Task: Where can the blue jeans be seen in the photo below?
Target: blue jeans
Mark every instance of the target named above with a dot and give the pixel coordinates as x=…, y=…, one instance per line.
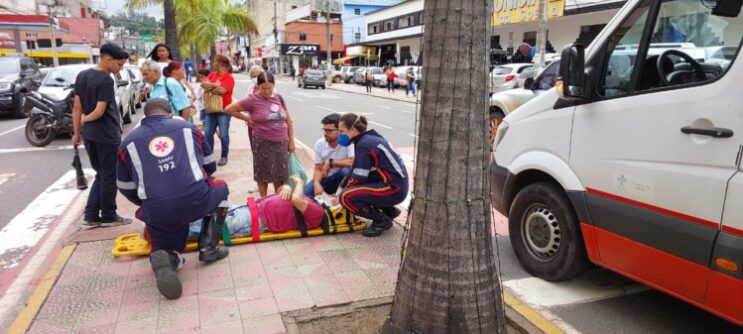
x=410, y=88
x=202, y=115
x=223, y=121
x=330, y=183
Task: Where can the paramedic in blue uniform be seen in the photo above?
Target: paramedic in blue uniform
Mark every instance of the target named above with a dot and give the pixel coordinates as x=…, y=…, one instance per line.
x=378, y=179
x=164, y=166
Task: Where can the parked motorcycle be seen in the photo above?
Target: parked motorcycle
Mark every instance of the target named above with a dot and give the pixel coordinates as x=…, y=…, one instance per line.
x=49, y=118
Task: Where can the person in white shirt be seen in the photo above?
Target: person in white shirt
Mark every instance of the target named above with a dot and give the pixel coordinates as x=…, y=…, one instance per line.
x=202, y=74
x=332, y=161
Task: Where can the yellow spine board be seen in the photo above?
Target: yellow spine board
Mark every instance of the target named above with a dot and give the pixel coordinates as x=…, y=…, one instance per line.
x=135, y=245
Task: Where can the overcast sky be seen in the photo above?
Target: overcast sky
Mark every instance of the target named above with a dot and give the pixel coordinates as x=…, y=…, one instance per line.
x=113, y=6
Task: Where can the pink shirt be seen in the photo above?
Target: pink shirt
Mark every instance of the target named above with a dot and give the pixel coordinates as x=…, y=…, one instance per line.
x=278, y=214
x=269, y=115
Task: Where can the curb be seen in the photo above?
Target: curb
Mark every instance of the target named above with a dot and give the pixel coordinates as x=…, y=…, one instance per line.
x=393, y=98
x=25, y=318
x=526, y=318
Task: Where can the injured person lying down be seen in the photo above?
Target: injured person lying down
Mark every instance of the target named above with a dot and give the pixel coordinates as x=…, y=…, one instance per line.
x=276, y=213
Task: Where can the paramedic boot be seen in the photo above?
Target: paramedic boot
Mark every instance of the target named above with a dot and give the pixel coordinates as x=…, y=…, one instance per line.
x=392, y=212
x=165, y=264
x=211, y=230
x=380, y=222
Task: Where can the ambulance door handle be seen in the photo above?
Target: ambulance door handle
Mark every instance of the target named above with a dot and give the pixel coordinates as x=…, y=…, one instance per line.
x=713, y=132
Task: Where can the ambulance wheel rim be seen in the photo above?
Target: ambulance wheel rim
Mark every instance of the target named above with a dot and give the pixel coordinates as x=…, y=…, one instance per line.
x=541, y=231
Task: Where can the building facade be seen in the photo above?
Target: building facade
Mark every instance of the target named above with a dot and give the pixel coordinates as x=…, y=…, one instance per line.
x=354, y=21
x=396, y=33
x=268, y=15
x=568, y=22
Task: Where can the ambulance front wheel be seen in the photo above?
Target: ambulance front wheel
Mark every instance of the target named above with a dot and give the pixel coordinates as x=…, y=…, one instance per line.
x=545, y=233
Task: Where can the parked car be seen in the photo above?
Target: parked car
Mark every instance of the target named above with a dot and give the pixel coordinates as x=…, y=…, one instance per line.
x=633, y=162
x=60, y=79
x=359, y=75
x=136, y=74
x=402, y=71
x=125, y=88
x=18, y=75
x=503, y=77
x=348, y=74
x=380, y=79
x=337, y=74
x=314, y=78
x=504, y=103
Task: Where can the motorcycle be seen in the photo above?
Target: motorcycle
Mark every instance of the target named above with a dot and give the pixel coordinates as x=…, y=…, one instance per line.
x=49, y=118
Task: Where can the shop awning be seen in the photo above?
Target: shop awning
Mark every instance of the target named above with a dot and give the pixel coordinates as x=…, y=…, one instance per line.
x=46, y=54
x=341, y=61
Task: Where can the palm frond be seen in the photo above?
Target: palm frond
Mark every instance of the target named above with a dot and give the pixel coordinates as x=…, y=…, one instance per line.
x=139, y=4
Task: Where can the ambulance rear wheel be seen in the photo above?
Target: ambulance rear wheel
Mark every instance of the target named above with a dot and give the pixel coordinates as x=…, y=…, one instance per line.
x=545, y=233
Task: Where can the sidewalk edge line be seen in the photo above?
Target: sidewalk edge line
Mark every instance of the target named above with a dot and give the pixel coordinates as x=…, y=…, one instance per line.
x=531, y=314
x=24, y=319
x=360, y=93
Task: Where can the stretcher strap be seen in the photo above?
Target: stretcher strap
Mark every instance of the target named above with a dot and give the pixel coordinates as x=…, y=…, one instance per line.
x=226, y=235
x=326, y=219
x=348, y=221
x=256, y=231
x=301, y=225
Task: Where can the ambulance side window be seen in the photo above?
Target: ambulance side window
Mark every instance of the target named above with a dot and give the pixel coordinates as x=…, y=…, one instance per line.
x=622, y=49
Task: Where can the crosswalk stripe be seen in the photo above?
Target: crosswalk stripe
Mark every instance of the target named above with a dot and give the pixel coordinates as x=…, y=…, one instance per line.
x=5, y=177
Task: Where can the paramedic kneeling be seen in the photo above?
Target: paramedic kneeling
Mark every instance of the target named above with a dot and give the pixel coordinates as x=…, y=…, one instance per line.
x=378, y=179
x=164, y=167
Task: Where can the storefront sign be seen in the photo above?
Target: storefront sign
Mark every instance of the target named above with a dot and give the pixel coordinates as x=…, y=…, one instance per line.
x=361, y=51
x=520, y=11
x=300, y=49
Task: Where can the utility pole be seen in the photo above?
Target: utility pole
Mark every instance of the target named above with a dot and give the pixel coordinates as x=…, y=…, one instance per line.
x=541, y=33
x=55, y=58
x=330, y=43
x=276, y=27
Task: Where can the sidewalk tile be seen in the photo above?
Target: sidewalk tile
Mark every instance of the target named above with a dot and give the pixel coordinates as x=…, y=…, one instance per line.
x=45, y=326
x=186, y=304
x=217, y=298
x=99, y=312
x=314, y=269
x=306, y=256
x=139, y=326
x=232, y=327
x=326, y=243
x=214, y=282
x=249, y=275
x=100, y=329
x=357, y=285
x=219, y=314
x=326, y=290
x=282, y=273
x=266, y=324
x=291, y=295
x=257, y=307
x=142, y=295
x=61, y=301
x=139, y=311
x=177, y=321
x=276, y=257
x=255, y=291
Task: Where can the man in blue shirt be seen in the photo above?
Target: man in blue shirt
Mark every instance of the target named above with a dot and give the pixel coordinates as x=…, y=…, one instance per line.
x=189, y=68
x=168, y=89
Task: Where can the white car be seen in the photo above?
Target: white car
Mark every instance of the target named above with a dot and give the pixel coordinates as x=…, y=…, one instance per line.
x=60, y=79
x=503, y=77
x=504, y=103
x=633, y=161
x=136, y=75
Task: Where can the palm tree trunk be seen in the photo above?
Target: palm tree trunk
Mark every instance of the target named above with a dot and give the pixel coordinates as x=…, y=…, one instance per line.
x=171, y=30
x=448, y=282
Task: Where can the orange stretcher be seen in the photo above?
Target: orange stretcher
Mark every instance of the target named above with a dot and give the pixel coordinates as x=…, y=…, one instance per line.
x=336, y=220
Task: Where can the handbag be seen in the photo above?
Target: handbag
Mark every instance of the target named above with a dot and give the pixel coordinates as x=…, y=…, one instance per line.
x=212, y=103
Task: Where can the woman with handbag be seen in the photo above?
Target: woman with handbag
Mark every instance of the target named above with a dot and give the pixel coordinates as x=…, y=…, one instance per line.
x=217, y=96
x=176, y=71
x=272, y=136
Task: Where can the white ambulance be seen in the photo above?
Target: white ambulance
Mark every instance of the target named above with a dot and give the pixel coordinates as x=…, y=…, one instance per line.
x=633, y=161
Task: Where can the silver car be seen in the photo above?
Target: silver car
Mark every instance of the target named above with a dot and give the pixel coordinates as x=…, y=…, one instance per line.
x=360, y=76
x=504, y=103
x=503, y=77
x=136, y=74
x=314, y=78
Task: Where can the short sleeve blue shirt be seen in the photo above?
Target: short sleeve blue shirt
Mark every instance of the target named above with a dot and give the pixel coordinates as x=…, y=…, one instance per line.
x=177, y=97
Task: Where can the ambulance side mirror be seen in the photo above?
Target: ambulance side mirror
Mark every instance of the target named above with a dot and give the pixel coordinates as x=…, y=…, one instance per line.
x=571, y=84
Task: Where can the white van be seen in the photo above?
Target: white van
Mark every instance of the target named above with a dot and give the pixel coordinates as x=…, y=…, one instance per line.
x=633, y=160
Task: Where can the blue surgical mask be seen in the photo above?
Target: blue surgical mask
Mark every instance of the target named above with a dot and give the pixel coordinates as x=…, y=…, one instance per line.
x=344, y=140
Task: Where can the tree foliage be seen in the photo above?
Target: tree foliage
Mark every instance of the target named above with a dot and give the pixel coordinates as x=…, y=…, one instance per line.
x=134, y=22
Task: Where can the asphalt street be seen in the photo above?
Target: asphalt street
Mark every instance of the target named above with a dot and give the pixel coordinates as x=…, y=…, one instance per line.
x=597, y=302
